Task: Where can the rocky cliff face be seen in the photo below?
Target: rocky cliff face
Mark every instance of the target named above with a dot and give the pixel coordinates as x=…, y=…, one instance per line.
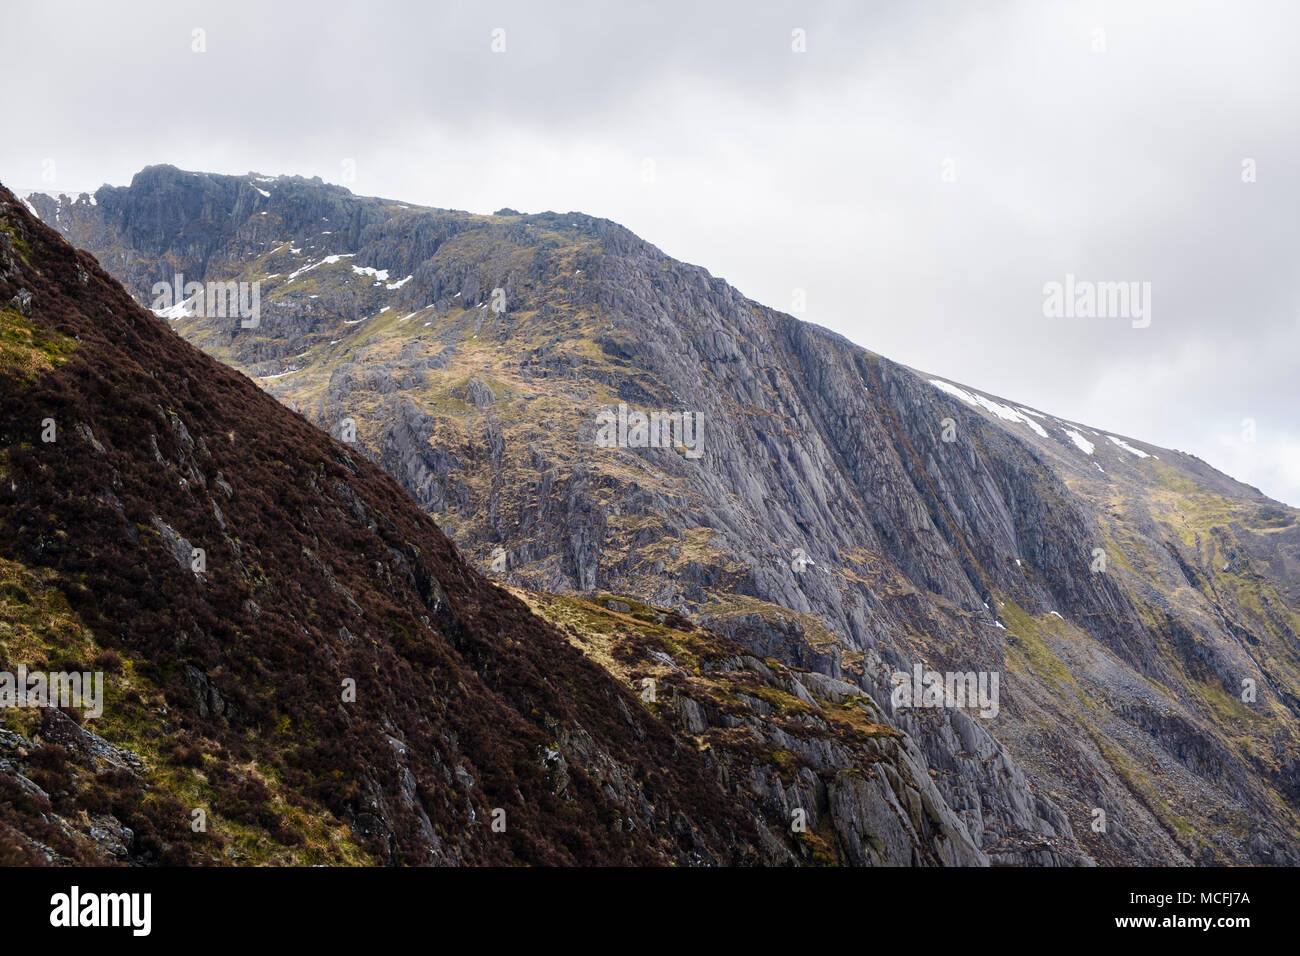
x=299, y=667
x=848, y=516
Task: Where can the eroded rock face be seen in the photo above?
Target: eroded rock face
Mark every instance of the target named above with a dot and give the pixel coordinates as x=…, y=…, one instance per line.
x=847, y=515
x=337, y=685
x=812, y=759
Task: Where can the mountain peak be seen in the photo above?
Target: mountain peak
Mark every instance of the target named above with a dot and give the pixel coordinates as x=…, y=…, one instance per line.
x=831, y=510
x=296, y=665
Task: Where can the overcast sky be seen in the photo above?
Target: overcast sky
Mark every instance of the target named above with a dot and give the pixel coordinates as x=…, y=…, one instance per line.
x=920, y=170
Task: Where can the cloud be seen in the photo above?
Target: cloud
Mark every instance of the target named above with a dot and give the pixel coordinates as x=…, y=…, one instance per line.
x=919, y=172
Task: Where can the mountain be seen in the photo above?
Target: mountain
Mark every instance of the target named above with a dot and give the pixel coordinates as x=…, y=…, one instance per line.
x=846, y=516
x=300, y=668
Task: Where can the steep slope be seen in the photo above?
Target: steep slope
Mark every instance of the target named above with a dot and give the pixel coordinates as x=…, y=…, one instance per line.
x=785, y=740
x=327, y=681
x=847, y=515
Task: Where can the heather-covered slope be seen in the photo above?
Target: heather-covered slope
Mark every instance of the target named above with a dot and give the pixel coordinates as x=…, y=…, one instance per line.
x=227, y=678
x=1123, y=592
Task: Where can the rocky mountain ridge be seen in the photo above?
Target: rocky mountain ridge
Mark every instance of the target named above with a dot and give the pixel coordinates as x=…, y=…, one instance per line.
x=300, y=668
x=849, y=515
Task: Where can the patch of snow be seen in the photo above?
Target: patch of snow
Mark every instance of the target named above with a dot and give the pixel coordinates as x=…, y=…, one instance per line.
x=399, y=283
x=1083, y=444
x=367, y=318
x=296, y=251
x=1054, y=614
x=1100, y=469
x=1005, y=412
x=456, y=296
x=327, y=261
x=1128, y=448
x=265, y=194
x=1030, y=411
x=32, y=210
x=380, y=274
x=181, y=310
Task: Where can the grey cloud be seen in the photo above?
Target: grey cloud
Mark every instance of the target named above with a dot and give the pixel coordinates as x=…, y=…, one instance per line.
x=776, y=170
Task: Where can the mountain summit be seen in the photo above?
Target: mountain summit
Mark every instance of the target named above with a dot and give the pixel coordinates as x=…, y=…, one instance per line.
x=845, y=516
x=298, y=667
